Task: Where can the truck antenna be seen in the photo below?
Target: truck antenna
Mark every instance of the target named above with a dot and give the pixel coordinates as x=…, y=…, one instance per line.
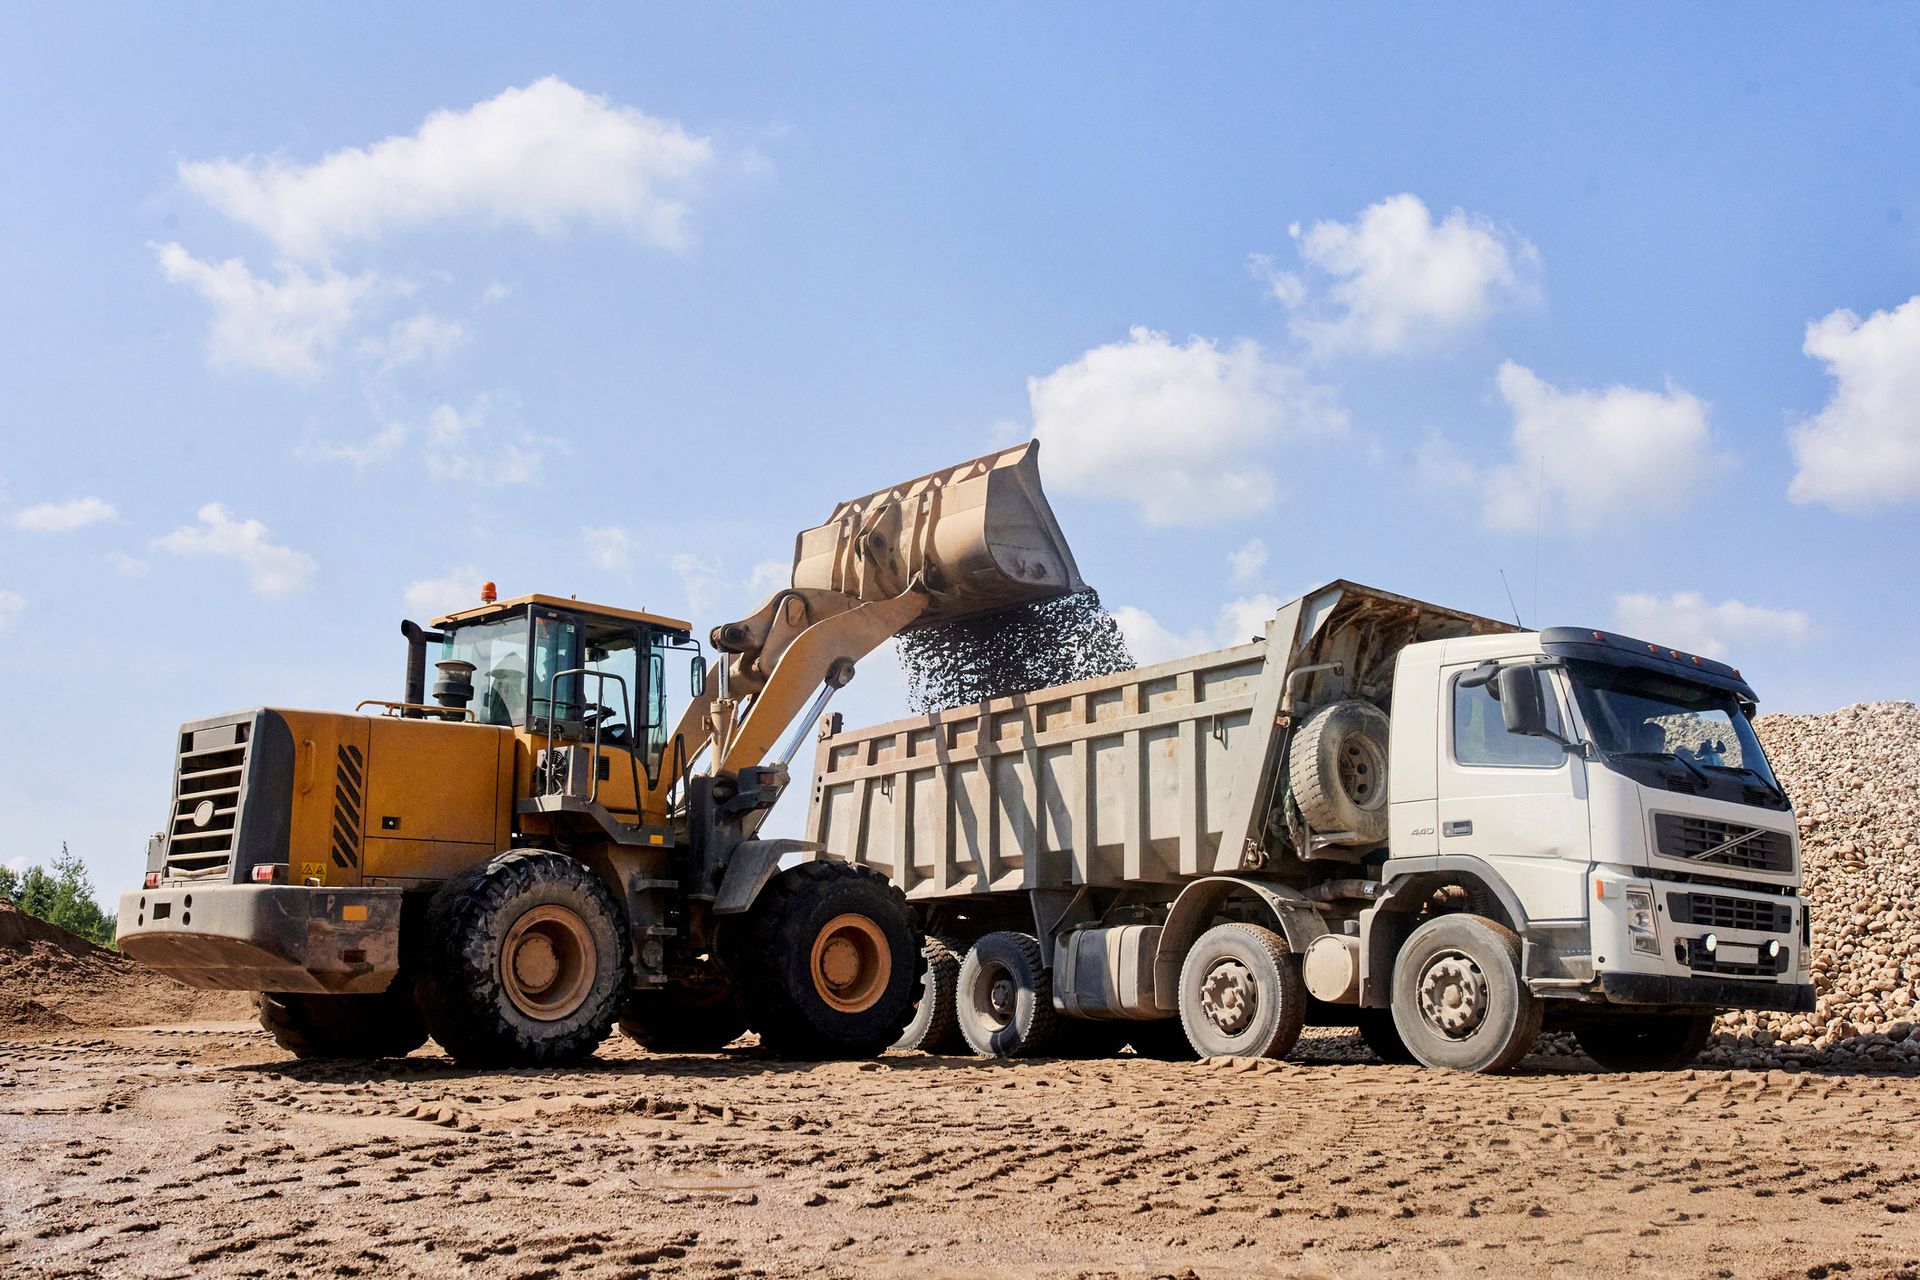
x=1510, y=603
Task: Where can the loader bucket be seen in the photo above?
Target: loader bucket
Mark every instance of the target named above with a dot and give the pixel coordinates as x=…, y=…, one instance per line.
x=980, y=536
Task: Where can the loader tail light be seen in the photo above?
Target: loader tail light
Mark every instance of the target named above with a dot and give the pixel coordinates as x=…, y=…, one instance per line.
x=152, y=881
x=269, y=872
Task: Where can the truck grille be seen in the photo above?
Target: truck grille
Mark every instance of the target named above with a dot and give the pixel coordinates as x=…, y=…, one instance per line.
x=1701, y=960
x=1717, y=912
x=1706, y=842
x=208, y=782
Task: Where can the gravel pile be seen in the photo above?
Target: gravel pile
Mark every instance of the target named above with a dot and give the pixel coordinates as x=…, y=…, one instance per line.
x=1854, y=776
x=995, y=655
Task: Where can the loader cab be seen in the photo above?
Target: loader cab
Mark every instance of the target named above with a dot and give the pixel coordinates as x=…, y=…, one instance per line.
x=574, y=671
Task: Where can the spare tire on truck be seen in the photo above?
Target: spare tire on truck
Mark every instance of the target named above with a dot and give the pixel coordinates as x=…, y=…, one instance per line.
x=1337, y=766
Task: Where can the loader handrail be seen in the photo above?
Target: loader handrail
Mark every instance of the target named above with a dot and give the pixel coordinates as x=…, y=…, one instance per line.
x=626, y=707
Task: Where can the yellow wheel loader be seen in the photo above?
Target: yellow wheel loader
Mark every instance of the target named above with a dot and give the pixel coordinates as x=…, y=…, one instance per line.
x=535, y=848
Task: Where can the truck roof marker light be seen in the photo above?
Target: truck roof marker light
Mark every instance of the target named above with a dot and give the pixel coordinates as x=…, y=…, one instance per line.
x=487, y=593
x=1653, y=648
x=1599, y=636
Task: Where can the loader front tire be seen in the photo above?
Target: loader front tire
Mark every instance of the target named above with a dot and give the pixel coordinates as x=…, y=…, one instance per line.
x=525, y=962
x=315, y=1026
x=828, y=962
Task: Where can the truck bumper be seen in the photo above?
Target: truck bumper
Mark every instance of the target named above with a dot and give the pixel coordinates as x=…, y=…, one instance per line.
x=266, y=937
x=1705, y=993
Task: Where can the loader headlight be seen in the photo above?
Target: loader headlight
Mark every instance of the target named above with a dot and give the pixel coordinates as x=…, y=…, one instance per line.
x=1642, y=929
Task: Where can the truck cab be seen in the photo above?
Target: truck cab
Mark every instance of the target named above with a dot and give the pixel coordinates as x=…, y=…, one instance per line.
x=1613, y=795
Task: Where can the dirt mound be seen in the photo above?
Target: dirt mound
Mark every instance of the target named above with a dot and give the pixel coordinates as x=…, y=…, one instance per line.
x=53, y=980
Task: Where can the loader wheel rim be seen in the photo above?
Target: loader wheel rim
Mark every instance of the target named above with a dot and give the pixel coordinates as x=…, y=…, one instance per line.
x=547, y=963
x=851, y=963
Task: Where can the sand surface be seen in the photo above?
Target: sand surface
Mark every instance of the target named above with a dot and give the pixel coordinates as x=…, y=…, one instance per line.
x=201, y=1149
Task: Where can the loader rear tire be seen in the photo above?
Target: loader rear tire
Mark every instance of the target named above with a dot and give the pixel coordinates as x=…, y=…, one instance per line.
x=1337, y=768
x=683, y=1019
x=935, y=1027
x=828, y=962
x=525, y=962
x=314, y=1026
x=1006, y=997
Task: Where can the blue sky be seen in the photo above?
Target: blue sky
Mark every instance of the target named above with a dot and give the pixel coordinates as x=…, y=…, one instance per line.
x=1338, y=292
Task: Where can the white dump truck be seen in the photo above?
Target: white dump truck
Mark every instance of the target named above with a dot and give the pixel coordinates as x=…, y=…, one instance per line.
x=1439, y=828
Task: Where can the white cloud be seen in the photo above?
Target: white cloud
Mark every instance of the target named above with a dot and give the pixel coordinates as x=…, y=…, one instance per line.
x=701, y=580
x=768, y=576
x=609, y=547
x=272, y=570
x=542, y=157
x=127, y=566
x=1179, y=430
x=1238, y=621
x=1686, y=620
x=463, y=445
x=12, y=605
x=1863, y=449
x=452, y=591
x=359, y=454
x=64, y=517
x=1580, y=457
x=1401, y=280
x=414, y=339
x=1247, y=560
x=495, y=293
x=289, y=328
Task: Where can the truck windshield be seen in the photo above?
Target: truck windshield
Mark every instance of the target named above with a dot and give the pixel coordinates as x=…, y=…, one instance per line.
x=1637, y=715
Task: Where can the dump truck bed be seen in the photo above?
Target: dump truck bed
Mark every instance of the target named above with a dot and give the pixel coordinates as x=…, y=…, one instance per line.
x=1154, y=775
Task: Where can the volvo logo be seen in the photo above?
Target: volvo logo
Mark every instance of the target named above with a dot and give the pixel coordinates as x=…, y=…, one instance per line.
x=203, y=813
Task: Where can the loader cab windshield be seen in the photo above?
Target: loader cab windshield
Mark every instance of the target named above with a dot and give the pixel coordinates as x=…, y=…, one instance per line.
x=582, y=672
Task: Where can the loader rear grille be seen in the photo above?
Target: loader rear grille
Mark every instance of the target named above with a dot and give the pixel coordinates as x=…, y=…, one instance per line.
x=209, y=782
x=348, y=789
x=1722, y=844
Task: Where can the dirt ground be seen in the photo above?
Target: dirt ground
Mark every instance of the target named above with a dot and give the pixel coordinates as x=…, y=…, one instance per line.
x=201, y=1149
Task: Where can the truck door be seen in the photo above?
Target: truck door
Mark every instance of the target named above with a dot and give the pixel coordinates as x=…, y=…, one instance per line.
x=1517, y=803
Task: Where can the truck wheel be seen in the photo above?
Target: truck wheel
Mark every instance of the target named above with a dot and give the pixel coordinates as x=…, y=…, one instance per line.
x=1458, y=998
x=683, y=1019
x=1241, y=993
x=312, y=1026
x=1382, y=1037
x=935, y=1026
x=525, y=961
x=1656, y=1043
x=1337, y=767
x=829, y=962
x=1006, y=997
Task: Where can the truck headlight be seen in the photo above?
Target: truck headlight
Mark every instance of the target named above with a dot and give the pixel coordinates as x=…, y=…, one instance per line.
x=1642, y=929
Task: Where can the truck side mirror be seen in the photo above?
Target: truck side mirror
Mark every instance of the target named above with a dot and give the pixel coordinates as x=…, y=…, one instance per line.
x=1523, y=702
x=698, y=672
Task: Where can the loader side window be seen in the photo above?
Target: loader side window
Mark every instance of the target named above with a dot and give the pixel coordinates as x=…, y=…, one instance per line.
x=498, y=652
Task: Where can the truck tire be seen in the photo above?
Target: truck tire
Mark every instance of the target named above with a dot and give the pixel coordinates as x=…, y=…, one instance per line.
x=828, y=963
x=1241, y=993
x=1655, y=1043
x=525, y=961
x=1382, y=1037
x=1005, y=999
x=1458, y=998
x=1337, y=770
x=313, y=1026
x=683, y=1019
x=935, y=1025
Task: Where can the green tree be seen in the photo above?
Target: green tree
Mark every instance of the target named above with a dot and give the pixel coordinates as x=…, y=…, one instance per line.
x=62, y=896
x=9, y=885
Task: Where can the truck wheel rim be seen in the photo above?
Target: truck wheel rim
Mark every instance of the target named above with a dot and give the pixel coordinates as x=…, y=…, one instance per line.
x=1363, y=771
x=1229, y=996
x=851, y=963
x=547, y=963
x=1453, y=995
